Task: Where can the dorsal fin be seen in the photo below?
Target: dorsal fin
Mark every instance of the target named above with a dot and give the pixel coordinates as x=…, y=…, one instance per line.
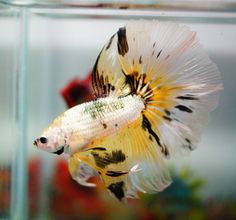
x=107, y=76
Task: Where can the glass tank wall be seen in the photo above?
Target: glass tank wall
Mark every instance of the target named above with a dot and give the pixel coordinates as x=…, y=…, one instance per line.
x=43, y=46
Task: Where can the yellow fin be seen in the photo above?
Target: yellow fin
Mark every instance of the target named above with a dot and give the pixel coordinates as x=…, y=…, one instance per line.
x=137, y=148
x=80, y=170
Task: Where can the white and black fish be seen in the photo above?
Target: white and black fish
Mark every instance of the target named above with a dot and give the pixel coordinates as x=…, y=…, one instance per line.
x=154, y=88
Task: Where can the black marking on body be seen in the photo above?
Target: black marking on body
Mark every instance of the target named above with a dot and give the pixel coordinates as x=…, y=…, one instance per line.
x=122, y=43
x=104, y=125
x=110, y=41
x=60, y=151
x=187, y=98
x=117, y=189
x=115, y=173
x=154, y=44
x=183, y=108
x=159, y=54
x=146, y=125
x=108, y=158
x=116, y=125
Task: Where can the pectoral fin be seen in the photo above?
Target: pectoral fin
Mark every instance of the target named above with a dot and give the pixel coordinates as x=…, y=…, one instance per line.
x=80, y=171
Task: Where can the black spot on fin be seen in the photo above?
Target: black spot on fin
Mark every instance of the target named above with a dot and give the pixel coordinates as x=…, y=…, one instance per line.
x=189, y=144
x=167, y=118
x=140, y=60
x=96, y=78
x=104, y=159
x=187, y=98
x=188, y=140
x=158, y=54
x=100, y=83
x=122, y=43
x=184, y=108
x=117, y=189
x=146, y=125
x=116, y=173
x=98, y=148
x=110, y=41
x=130, y=79
x=167, y=112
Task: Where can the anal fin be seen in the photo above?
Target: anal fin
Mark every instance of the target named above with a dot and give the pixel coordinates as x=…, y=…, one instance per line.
x=140, y=153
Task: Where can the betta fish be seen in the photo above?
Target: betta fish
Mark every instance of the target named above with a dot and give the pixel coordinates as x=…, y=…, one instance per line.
x=154, y=88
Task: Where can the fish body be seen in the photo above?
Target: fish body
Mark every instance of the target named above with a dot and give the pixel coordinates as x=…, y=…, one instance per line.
x=154, y=88
x=103, y=116
x=90, y=121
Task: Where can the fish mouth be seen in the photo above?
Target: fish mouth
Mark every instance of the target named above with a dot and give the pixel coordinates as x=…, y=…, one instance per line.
x=59, y=152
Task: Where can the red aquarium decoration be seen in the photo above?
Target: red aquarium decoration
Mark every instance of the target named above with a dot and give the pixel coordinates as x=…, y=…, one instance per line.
x=34, y=173
x=71, y=200
x=5, y=187
x=78, y=91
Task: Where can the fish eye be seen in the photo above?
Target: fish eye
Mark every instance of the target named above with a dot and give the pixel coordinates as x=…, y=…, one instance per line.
x=43, y=140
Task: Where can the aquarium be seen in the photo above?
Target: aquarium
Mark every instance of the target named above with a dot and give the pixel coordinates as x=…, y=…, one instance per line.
x=46, y=44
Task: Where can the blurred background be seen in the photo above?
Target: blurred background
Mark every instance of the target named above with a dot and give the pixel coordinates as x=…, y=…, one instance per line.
x=47, y=51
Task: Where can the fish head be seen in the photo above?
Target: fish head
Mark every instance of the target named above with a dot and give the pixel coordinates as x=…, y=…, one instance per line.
x=52, y=140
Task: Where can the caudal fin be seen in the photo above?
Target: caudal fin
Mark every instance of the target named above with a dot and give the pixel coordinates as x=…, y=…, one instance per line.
x=165, y=64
